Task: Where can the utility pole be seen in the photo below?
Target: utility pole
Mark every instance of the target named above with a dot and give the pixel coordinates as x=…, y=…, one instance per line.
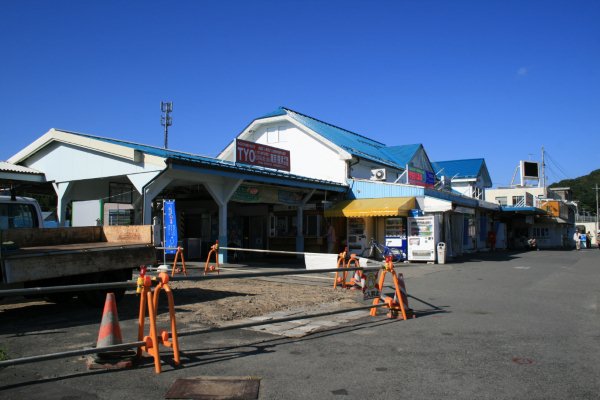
x=543, y=180
x=596, y=189
x=165, y=119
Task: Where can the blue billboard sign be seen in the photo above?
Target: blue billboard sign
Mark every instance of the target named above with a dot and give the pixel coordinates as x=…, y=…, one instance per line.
x=170, y=225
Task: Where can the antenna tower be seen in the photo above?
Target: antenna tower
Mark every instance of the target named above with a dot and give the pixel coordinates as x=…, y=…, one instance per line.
x=165, y=120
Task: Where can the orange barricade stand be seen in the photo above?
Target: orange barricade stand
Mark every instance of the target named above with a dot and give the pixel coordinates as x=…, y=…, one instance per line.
x=214, y=249
x=178, y=255
x=149, y=303
x=355, y=281
x=400, y=300
x=340, y=277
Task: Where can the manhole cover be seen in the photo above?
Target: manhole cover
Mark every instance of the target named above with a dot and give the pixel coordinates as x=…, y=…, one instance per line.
x=215, y=388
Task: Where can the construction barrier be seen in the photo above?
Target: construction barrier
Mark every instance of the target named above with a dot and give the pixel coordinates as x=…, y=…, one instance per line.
x=400, y=300
x=214, y=250
x=150, y=342
x=341, y=276
x=149, y=303
x=179, y=255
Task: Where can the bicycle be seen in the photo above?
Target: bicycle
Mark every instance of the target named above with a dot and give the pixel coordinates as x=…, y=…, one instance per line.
x=378, y=252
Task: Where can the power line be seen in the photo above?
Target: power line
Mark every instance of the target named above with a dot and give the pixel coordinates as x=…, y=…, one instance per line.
x=565, y=175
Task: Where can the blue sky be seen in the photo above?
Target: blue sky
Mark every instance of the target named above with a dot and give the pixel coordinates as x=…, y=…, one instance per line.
x=468, y=79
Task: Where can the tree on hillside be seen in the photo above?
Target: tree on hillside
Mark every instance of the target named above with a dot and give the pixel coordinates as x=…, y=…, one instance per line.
x=583, y=190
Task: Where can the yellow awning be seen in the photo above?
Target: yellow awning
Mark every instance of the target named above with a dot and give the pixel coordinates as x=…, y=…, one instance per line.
x=385, y=207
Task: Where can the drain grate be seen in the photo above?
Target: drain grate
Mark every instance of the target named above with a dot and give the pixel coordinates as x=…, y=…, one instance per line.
x=215, y=388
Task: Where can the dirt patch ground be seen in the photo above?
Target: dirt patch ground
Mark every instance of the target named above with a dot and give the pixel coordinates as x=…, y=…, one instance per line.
x=220, y=301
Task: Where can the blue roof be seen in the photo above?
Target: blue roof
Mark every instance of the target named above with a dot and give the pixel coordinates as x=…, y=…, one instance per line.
x=189, y=158
x=280, y=111
x=460, y=168
x=403, y=154
x=354, y=143
x=464, y=169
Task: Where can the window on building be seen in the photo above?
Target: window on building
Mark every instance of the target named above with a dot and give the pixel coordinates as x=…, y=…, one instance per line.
x=501, y=200
x=120, y=193
x=120, y=217
x=286, y=226
x=284, y=133
x=518, y=201
x=477, y=193
x=312, y=225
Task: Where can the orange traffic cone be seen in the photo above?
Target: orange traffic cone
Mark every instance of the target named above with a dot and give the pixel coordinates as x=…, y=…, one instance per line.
x=109, y=335
x=110, y=330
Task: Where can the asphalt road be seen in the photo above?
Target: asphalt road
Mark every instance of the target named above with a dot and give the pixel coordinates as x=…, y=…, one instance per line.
x=504, y=326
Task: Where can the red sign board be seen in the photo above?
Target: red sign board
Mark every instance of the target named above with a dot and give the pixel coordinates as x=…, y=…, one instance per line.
x=417, y=176
x=262, y=155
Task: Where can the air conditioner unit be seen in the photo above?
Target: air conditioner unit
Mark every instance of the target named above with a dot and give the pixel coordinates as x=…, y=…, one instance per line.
x=378, y=174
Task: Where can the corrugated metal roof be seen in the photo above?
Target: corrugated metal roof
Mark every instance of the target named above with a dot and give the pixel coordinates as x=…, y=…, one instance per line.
x=459, y=168
x=279, y=112
x=402, y=155
x=9, y=167
x=354, y=143
x=361, y=189
x=189, y=158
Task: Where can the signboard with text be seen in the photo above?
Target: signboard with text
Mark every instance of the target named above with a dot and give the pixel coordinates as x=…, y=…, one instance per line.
x=420, y=177
x=370, y=287
x=262, y=155
x=170, y=226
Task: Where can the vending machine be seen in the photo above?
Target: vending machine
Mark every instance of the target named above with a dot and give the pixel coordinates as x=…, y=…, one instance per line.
x=395, y=234
x=357, y=241
x=423, y=236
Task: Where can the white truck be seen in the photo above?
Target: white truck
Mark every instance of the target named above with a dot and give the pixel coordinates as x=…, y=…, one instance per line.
x=34, y=256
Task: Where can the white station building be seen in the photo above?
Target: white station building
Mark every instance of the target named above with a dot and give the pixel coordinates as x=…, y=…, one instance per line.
x=275, y=186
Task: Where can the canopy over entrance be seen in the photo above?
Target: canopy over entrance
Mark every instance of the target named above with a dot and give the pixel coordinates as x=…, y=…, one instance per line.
x=384, y=207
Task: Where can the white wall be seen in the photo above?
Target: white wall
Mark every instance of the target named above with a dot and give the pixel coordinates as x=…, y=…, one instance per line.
x=362, y=170
x=308, y=156
x=62, y=162
x=462, y=187
x=491, y=194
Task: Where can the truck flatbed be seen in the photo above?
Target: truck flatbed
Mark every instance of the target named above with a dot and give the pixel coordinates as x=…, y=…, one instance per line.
x=33, y=255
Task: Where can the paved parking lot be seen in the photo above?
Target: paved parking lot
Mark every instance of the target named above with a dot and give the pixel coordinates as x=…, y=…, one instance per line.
x=499, y=326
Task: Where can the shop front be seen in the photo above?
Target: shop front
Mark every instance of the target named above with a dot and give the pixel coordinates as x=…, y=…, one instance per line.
x=382, y=220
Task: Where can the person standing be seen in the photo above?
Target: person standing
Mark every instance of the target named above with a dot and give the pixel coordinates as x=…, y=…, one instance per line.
x=330, y=238
x=576, y=239
x=588, y=240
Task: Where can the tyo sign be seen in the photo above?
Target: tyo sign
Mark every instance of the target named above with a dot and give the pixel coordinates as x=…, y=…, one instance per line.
x=262, y=155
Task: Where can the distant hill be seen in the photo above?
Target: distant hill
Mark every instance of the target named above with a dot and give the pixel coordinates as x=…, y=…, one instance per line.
x=583, y=190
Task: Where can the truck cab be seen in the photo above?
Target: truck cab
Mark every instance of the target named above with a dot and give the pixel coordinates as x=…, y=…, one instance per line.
x=20, y=212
